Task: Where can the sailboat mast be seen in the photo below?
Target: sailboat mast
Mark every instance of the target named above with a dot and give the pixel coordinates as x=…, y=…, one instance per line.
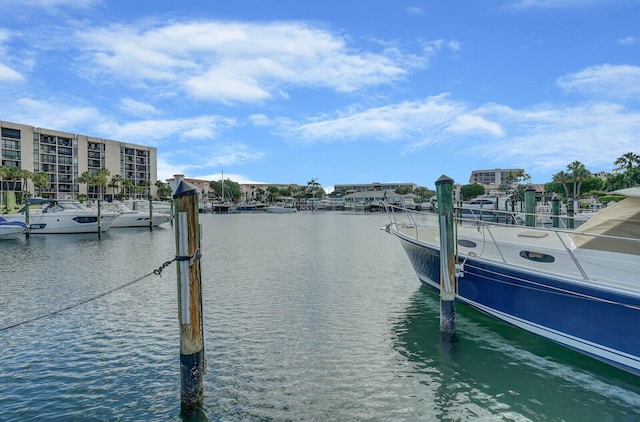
x=222, y=173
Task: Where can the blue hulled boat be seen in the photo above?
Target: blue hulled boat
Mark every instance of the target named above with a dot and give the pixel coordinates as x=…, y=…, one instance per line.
x=580, y=288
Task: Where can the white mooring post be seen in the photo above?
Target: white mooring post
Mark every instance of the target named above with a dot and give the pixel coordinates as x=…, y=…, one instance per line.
x=190, y=315
x=444, y=191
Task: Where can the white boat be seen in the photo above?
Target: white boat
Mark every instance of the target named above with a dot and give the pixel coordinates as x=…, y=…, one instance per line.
x=11, y=229
x=52, y=216
x=279, y=209
x=579, y=288
x=132, y=218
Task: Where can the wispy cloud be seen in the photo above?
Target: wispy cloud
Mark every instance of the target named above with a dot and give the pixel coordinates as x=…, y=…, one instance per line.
x=628, y=40
x=415, y=11
x=619, y=82
x=233, y=62
x=537, y=137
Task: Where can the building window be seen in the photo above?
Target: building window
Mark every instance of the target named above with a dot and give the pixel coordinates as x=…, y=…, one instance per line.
x=10, y=133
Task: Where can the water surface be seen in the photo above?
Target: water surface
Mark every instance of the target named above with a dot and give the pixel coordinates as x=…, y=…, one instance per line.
x=308, y=316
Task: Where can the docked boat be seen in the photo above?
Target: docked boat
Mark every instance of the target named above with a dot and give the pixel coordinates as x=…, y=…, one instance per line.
x=280, y=209
x=579, y=288
x=134, y=218
x=11, y=229
x=52, y=216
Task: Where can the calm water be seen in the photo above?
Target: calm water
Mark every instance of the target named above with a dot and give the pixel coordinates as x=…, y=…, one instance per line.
x=310, y=316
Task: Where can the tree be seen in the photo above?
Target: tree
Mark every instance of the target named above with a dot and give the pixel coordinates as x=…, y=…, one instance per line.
x=273, y=192
x=116, y=184
x=40, y=182
x=163, y=190
x=562, y=178
x=628, y=161
x=471, y=191
x=232, y=190
x=403, y=190
x=424, y=193
x=101, y=180
x=578, y=174
x=313, y=187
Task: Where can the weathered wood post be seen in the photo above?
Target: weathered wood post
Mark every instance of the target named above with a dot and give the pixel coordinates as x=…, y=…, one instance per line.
x=151, y=214
x=530, y=206
x=570, y=213
x=99, y=219
x=27, y=218
x=190, y=316
x=555, y=211
x=444, y=192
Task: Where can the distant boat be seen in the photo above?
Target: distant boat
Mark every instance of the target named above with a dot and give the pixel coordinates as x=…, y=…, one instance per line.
x=11, y=229
x=133, y=218
x=279, y=209
x=52, y=216
x=579, y=288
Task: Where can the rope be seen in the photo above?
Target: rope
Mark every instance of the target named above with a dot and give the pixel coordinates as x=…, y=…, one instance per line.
x=157, y=271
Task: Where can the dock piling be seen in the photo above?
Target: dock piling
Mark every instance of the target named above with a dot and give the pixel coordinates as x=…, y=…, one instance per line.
x=190, y=315
x=444, y=191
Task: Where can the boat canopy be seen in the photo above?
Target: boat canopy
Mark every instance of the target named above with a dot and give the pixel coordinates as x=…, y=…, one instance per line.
x=609, y=225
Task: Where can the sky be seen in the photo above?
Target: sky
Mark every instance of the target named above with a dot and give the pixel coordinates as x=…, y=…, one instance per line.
x=343, y=92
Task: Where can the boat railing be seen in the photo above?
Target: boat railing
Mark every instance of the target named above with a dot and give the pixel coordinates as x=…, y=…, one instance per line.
x=416, y=220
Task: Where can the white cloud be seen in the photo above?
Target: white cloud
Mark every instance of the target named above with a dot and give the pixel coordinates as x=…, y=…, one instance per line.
x=137, y=108
x=471, y=124
x=9, y=75
x=604, y=81
x=236, y=62
x=628, y=40
x=415, y=11
x=393, y=122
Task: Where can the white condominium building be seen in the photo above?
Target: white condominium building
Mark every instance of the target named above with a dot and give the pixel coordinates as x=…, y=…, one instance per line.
x=65, y=156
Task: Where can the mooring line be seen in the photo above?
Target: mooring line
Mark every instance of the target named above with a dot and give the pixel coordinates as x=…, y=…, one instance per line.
x=157, y=271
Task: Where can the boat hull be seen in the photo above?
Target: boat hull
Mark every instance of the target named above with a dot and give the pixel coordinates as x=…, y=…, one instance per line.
x=11, y=231
x=591, y=320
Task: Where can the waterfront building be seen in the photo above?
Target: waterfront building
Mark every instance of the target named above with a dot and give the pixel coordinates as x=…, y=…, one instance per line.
x=496, y=179
x=376, y=186
x=64, y=156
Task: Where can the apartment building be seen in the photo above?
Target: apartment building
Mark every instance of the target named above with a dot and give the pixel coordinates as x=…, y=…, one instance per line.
x=496, y=179
x=64, y=156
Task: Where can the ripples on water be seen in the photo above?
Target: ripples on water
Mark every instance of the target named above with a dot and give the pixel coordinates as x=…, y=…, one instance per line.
x=311, y=316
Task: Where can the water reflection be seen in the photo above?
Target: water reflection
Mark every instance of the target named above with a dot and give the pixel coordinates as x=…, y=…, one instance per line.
x=498, y=368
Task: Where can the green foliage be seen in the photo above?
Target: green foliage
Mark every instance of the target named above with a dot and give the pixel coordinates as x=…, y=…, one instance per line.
x=403, y=190
x=232, y=190
x=424, y=193
x=471, y=191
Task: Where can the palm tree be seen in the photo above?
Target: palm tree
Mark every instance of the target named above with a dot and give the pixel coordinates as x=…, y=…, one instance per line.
x=562, y=177
x=87, y=178
x=578, y=173
x=628, y=161
x=101, y=179
x=115, y=183
x=313, y=186
x=40, y=182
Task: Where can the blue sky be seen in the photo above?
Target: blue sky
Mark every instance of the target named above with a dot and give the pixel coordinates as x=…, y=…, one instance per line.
x=340, y=91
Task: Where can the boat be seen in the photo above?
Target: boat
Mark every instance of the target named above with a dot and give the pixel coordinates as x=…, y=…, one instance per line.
x=11, y=229
x=52, y=216
x=133, y=218
x=579, y=287
x=280, y=209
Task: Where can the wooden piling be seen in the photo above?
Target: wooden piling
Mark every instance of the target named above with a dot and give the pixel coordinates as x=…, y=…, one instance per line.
x=150, y=214
x=27, y=219
x=99, y=219
x=530, y=206
x=190, y=316
x=570, y=213
x=444, y=191
x=555, y=211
